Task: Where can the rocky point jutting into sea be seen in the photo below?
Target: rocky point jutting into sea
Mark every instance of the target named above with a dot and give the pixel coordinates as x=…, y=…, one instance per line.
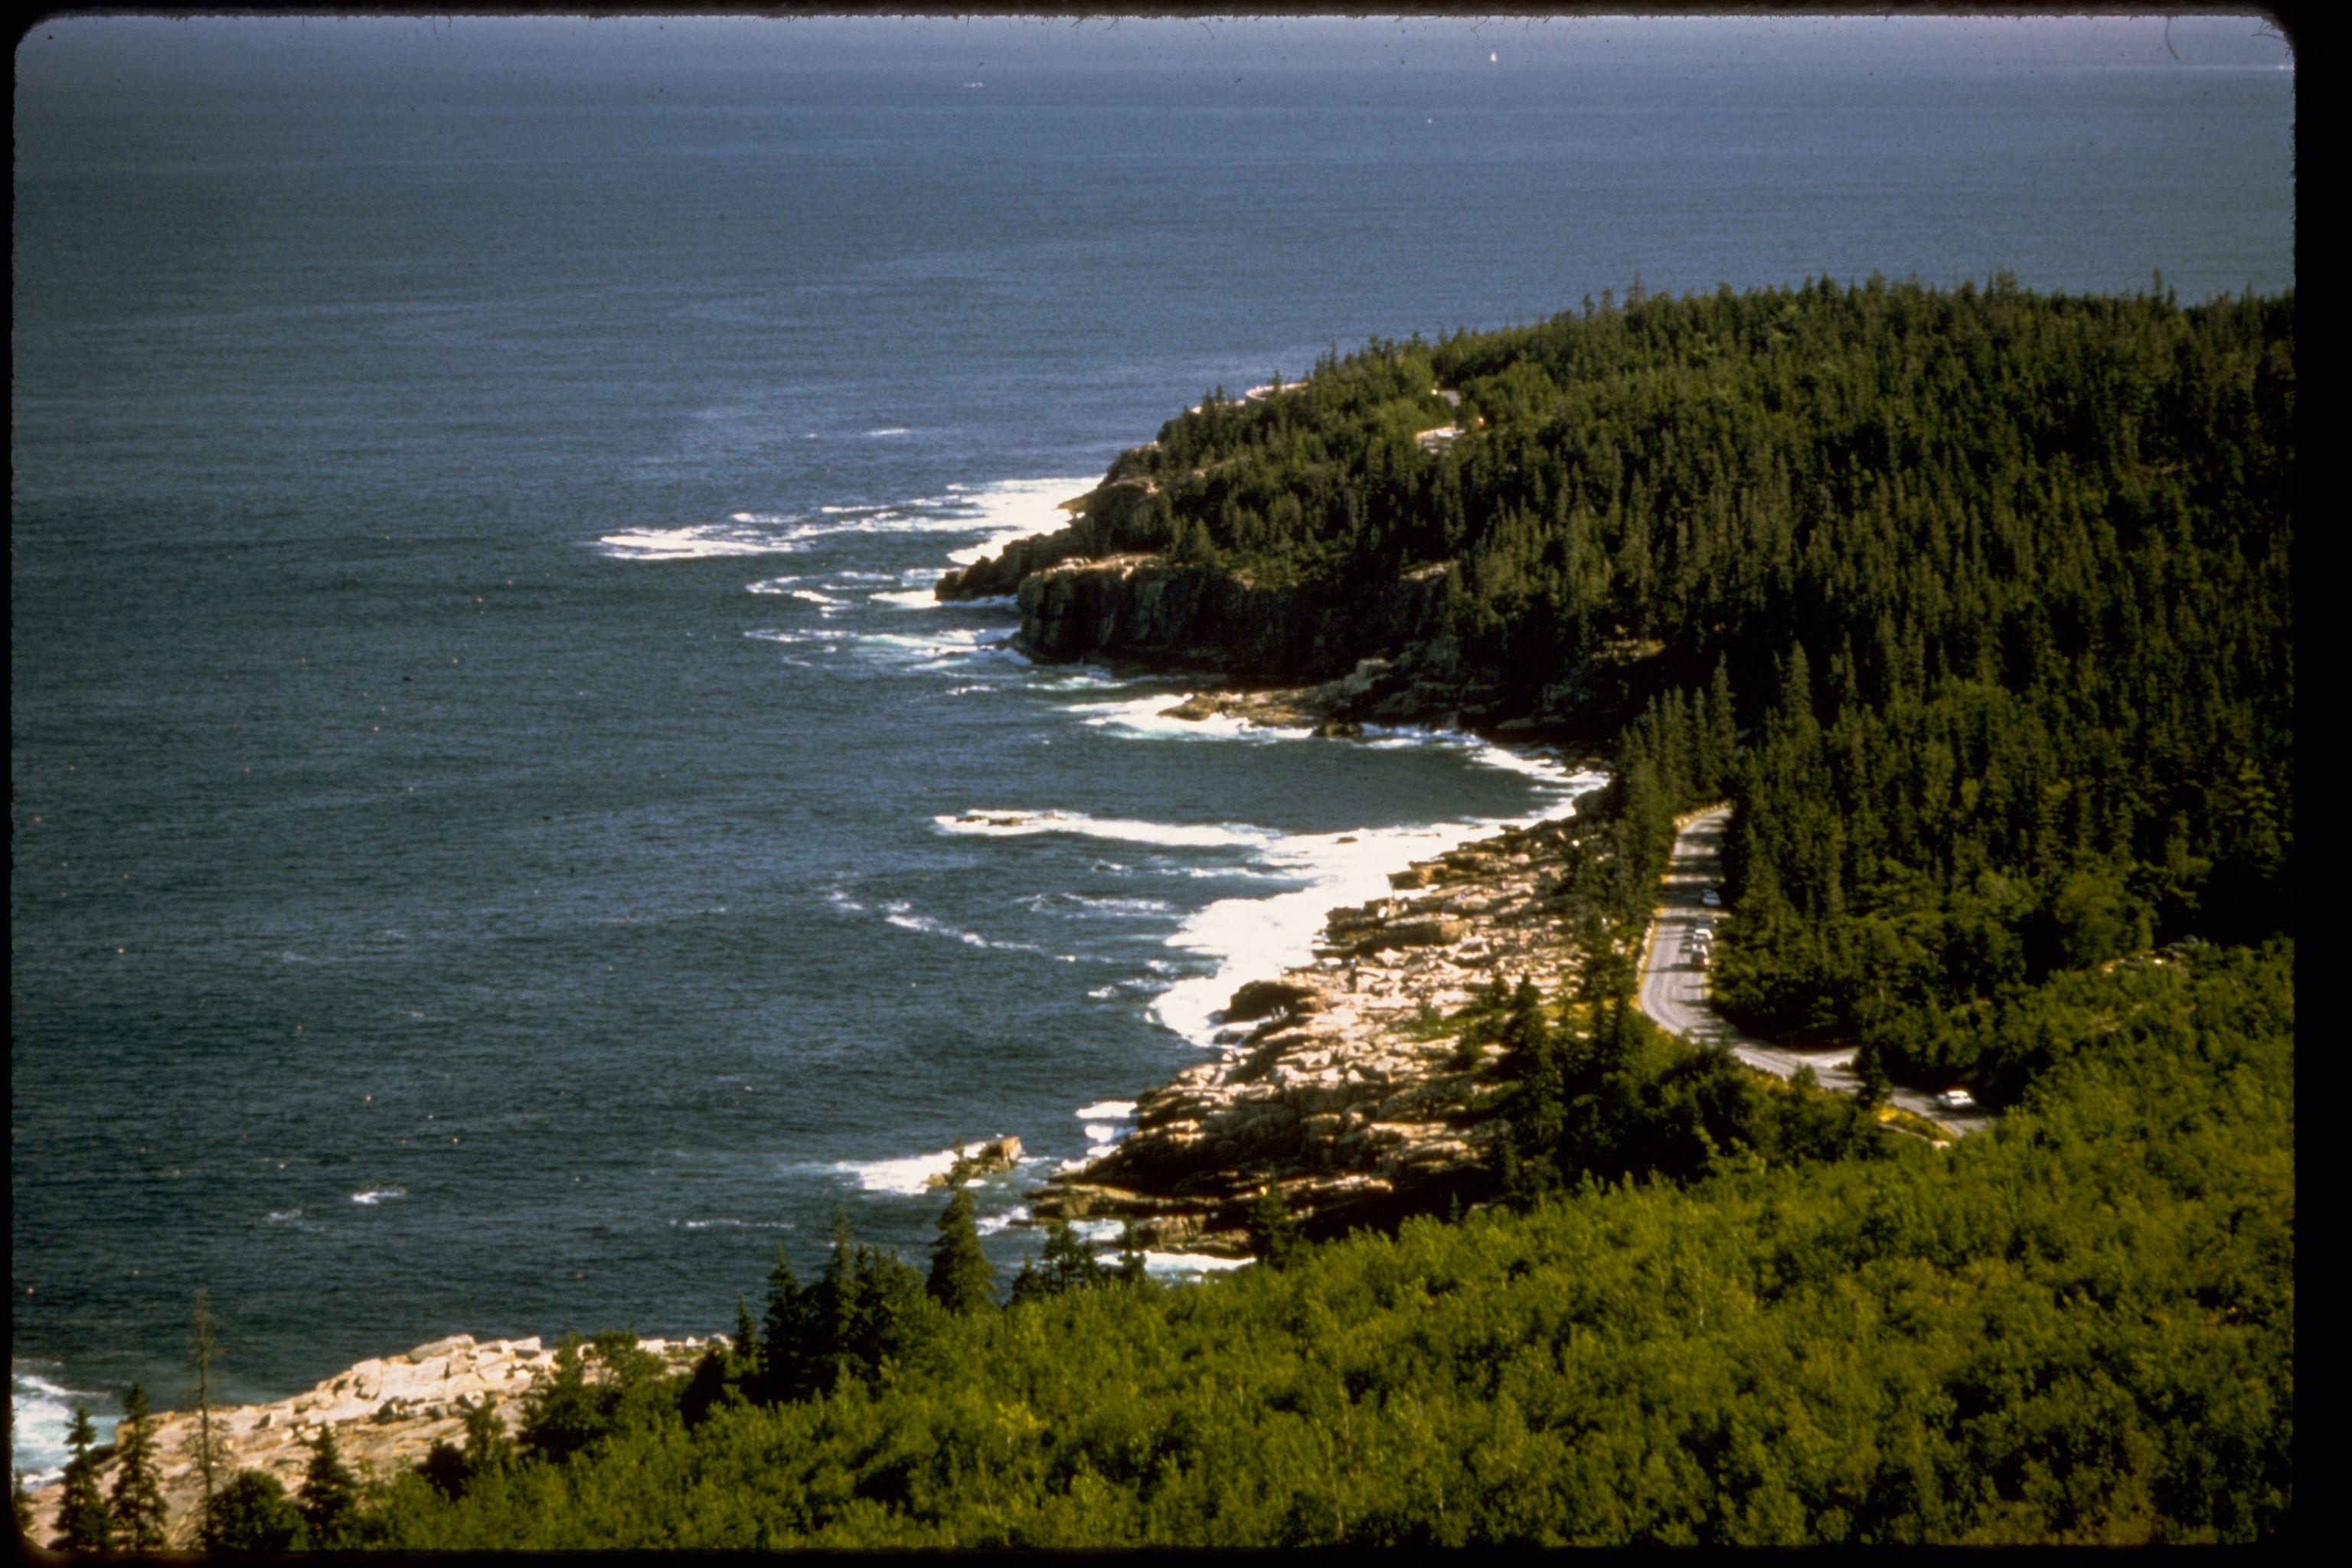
x=386, y=1413
x=1346, y=1084
x=1343, y=1083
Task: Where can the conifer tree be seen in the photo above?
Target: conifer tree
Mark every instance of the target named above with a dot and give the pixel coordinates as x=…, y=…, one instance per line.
x=1274, y=1236
x=1527, y=1037
x=715, y=1383
x=20, y=1503
x=202, y=1349
x=252, y=1513
x=488, y=1450
x=747, y=1334
x=136, y=1503
x=781, y=1338
x=83, y=1523
x=1131, y=1271
x=834, y=1321
x=443, y=1467
x=1873, y=1085
x=1069, y=1263
x=330, y=1506
x=961, y=1279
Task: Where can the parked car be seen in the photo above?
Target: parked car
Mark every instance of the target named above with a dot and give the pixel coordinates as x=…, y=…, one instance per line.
x=1711, y=898
x=1957, y=1099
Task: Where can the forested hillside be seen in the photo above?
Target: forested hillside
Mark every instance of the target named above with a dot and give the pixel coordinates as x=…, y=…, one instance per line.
x=1976, y=605
x=1976, y=602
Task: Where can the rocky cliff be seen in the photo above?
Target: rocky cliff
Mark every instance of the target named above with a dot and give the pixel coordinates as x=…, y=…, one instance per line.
x=1106, y=587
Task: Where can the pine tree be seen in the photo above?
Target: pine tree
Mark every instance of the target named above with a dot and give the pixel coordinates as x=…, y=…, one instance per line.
x=330, y=1506
x=1070, y=1262
x=488, y=1450
x=961, y=1280
x=202, y=1349
x=84, y=1525
x=1527, y=1037
x=252, y=1513
x=780, y=1351
x=444, y=1469
x=834, y=1321
x=136, y=1503
x=1873, y=1085
x=747, y=1334
x=1720, y=732
x=1131, y=1270
x=1274, y=1236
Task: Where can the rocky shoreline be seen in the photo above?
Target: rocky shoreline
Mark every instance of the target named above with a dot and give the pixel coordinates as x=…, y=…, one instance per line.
x=387, y=1413
x=1346, y=1083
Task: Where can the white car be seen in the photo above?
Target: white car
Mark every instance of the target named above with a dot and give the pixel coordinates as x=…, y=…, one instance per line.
x=1711, y=898
x=1957, y=1099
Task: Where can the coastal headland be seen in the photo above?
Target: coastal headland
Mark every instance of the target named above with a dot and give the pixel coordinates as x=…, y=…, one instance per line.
x=1111, y=586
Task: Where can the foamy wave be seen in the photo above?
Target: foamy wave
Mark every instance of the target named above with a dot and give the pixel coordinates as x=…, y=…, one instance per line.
x=909, y=599
x=944, y=644
x=370, y=1196
x=701, y=542
x=1182, y=1264
x=892, y=430
x=901, y=914
x=1148, y=717
x=998, y=1224
x=999, y=513
x=1258, y=938
x=1067, y=903
x=1111, y=1110
x=1174, y=836
x=40, y=1415
x=792, y=635
x=909, y=1177
x=1015, y=509
x=1545, y=770
x=770, y=585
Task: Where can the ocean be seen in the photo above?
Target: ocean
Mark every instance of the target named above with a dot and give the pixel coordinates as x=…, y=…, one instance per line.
x=503, y=838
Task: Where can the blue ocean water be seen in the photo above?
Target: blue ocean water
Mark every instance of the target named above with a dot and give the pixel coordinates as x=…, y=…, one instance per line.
x=502, y=839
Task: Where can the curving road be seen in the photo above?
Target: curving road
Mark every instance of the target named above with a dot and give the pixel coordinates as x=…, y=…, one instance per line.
x=1675, y=990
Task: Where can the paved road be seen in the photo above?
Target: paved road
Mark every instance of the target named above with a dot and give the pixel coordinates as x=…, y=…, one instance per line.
x=1675, y=989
